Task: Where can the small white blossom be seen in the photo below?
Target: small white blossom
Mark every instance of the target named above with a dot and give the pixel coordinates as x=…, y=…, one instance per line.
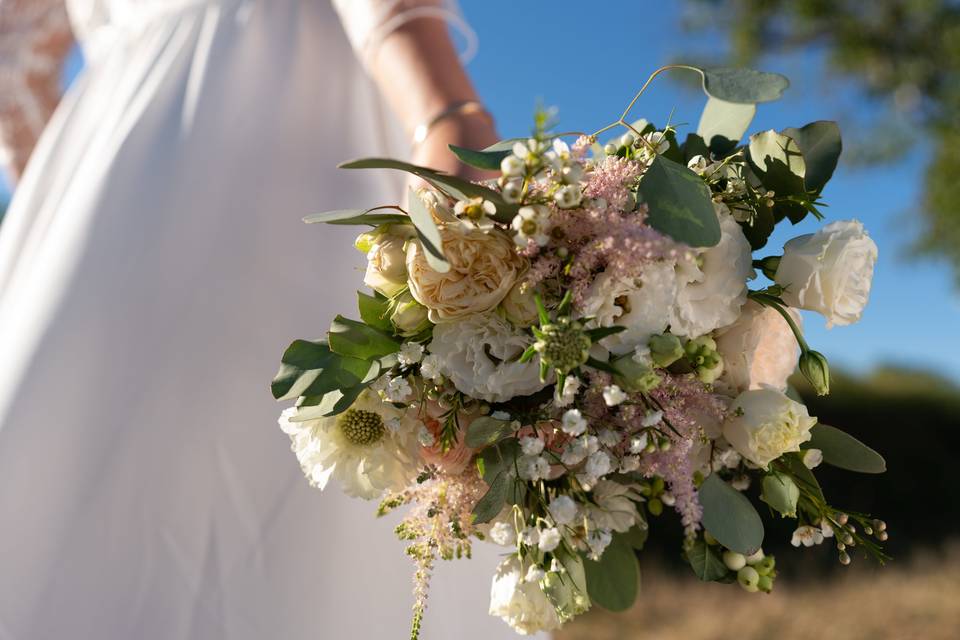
x=613, y=395
x=598, y=464
x=741, y=483
x=812, y=458
x=512, y=190
x=807, y=536
x=530, y=536
x=533, y=467
x=656, y=142
x=425, y=436
x=532, y=223
x=598, y=540
x=398, y=390
x=571, y=387
x=652, y=419
x=531, y=445
x=639, y=443
x=430, y=368
x=410, y=353
x=512, y=166
x=610, y=437
x=563, y=509
x=573, y=422
x=503, y=533
x=474, y=212
x=629, y=463
x=568, y=196
x=556, y=566
x=549, y=539
x=534, y=574
x=826, y=529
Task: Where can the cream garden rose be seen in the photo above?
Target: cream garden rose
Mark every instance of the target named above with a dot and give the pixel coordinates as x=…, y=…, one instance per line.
x=829, y=271
x=483, y=268
x=386, y=260
x=758, y=349
x=764, y=424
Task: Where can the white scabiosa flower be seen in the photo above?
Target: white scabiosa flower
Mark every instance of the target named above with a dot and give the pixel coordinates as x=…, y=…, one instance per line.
x=479, y=355
x=532, y=223
x=642, y=305
x=713, y=287
x=519, y=603
x=830, y=271
x=764, y=424
x=356, y=448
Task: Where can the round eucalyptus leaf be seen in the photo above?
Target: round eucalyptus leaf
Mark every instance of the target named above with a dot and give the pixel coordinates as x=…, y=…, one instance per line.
x=729, y=516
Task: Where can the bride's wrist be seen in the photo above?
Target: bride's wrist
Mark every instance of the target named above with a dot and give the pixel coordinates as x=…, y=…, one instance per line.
x=470, y=112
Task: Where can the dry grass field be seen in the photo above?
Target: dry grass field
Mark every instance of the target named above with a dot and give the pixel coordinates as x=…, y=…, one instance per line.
x=907, y=600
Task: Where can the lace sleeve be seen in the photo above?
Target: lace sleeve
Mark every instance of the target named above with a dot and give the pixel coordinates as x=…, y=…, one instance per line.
x=35, y=37
x=369, y=22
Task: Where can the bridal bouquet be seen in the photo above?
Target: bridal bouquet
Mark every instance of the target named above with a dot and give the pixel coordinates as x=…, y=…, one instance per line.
x=552, y=360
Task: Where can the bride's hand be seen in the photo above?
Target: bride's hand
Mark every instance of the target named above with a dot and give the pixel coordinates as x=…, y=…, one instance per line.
x=469, y=130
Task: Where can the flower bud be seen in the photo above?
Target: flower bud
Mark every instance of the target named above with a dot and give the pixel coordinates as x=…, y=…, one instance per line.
x=665, y=349
x=814, y=367
x=655, y=506
x=781, y=493
x=812, y=458
x=409, y=316
x=512, y=166
x=610, y=149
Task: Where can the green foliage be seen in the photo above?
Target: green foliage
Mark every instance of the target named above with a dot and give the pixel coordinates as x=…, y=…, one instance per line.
x=485, y=431
x=706, y=562
x=355, y=339
x=488, y=160
x=375, y=310
x=729, y=517
x=428, y=233
x=614, y=581
x=735, y=84
x=679, y=203
x=498, y=464
x=842, y=450
x=820, y=144
x=356, y=216
x=722, y=124
x=310, y=368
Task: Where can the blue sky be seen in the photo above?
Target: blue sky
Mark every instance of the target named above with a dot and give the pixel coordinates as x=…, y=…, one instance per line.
x=588, y=59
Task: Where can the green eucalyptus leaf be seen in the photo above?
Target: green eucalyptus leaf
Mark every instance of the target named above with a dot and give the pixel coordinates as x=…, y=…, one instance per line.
x=693, y=146
x=679, y=204
x=489, y=160
x=428, y=233
x=729, y=516
x=802, y=476
x=494, y=499
x=820, y=144
x=743, y=85
x=500, y=458
x=357, y=216
x=327, y=404
x=637, y=535
x=706, y=562
x=375, y=311
x=453, y=186
x=486, y=431
x=310, y=368
x=842, y=450
x=777, y=162
x=723, y=123
x=357, y=340
x=614, y=581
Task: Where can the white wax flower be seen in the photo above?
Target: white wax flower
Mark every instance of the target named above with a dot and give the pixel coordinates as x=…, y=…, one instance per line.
x=758, y=349
x=479, y=355
x=532, y=223
x=519, y=603
x=830, y=271
x=807, y=536
x=356, y=448
x=764, y=424
x=713, y=287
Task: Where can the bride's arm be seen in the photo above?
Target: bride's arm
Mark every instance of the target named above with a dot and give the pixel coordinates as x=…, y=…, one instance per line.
x=35, y=38
x=407, y=48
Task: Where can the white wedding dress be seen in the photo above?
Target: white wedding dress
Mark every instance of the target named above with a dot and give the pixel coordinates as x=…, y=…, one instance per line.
x=153, y=267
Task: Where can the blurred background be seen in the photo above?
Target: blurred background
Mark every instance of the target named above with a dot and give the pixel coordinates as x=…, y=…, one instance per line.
x=889, y=72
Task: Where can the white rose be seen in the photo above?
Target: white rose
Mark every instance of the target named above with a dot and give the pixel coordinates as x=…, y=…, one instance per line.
x=479, y=355
x=829, y=271
x=759, y=349
x=386, y=261
x=521, y=604
x=483, y=268
x=764, y=424
x=713, y=287
x=642, y=305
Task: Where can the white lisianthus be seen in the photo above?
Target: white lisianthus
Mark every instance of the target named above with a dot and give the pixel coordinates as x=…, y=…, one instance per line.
x=614, y=506
x=369, y=448
x=830, y=271
x=642, y=305
x=713, y=287
x=764, y=424
x=479, y=355
x=759, y=349
x=519, y=603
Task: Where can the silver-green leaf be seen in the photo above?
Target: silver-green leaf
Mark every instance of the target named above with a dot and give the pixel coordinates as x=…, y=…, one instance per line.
x=743, y=85
x=842, y=450
x=729, y=516
x=679, y=204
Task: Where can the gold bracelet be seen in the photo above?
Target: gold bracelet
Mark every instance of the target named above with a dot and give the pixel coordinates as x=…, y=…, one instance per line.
x=464, y=107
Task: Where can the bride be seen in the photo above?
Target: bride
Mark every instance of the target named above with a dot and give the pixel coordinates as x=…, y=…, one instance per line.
x=152, y=266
